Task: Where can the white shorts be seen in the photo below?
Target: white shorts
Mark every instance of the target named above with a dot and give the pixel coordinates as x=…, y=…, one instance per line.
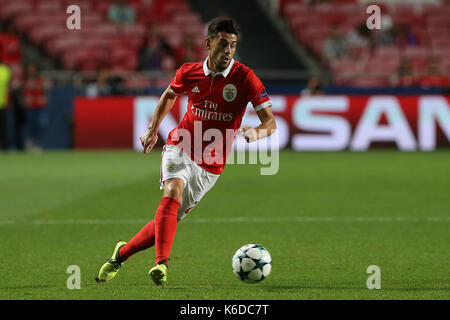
x=197, y=181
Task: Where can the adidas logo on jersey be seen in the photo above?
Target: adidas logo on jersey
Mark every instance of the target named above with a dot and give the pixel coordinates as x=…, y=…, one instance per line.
x=196, y=89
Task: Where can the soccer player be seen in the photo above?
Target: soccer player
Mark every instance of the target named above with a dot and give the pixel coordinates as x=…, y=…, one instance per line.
x=194, y=156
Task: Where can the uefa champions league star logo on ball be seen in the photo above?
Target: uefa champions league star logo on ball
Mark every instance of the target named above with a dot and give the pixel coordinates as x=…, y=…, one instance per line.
x=252, y=263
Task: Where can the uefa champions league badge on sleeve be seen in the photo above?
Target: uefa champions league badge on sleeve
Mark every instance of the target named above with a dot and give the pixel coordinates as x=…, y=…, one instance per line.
x=229, y=92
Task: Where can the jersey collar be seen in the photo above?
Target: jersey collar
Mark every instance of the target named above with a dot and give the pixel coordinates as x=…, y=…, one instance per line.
x=224, y=73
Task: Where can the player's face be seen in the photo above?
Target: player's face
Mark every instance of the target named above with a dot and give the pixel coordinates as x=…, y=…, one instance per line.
x=221, y=50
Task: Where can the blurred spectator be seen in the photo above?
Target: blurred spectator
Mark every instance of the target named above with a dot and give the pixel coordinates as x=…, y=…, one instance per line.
x=5, y=78
x=335, y=44
x=187, y=51
x=359, y=41
x=385, y=36
x=156, y=51
x=121, y=13
x=316, y=2
x=314, y=87
x=20, y=118
x=100, y=87
x=107, y=84
x=34, y=92
x=10, y=48
x=433, y=77
x=404, y=75
x=405, y=36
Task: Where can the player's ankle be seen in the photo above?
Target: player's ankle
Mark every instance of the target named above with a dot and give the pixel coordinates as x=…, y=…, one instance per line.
x=163, y=261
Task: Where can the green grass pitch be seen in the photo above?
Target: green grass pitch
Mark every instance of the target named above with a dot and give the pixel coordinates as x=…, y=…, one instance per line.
x=325, y=217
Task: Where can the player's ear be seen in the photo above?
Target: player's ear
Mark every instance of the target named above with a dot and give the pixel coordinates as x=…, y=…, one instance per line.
x=208, y=43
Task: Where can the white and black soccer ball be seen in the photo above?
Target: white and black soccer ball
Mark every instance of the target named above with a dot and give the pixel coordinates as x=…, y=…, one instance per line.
x=252, y=263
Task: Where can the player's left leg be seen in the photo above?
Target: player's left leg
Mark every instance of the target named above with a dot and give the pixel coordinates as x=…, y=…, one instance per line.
x=111, y=267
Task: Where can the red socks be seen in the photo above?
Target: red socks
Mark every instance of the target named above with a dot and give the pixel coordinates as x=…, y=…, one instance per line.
x=144, y=239
x=160, y=232
x=165, y=227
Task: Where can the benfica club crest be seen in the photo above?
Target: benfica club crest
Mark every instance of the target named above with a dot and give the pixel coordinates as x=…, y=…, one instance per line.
x=229, y=92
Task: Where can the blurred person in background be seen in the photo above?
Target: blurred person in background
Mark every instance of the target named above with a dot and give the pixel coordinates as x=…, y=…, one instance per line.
x=187, y=51
x=5, y=78
x=20, y=117
x=360, y=42
x=434, y=78
x=34, y=93
x=314, y=87
x=405, y=36
x=404, y=75
x=386, y=35
x=335, y=44
x=106, y=84
x=155, y=50
x=11, y=52
x=120, y=13
x=101, y=86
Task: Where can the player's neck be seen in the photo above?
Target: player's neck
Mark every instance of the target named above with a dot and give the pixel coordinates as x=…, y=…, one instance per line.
x=213, y=67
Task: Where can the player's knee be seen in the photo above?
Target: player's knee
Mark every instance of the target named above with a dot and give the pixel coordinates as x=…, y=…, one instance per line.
x=174, y=188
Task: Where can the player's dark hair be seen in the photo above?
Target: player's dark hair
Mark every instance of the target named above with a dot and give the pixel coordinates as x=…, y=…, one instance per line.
x=223, y=25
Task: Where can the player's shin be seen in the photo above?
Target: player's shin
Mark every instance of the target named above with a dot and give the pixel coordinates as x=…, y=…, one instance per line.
x=165, y=227
x=144, y=239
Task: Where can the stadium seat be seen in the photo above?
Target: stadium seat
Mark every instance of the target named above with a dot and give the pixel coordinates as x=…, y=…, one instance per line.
x=45, y=33
x=370, y=81
x=11, y=9
x=387, y=53
x=44, y=24
x=58, y=46
x=415, y=52
x=123, y=59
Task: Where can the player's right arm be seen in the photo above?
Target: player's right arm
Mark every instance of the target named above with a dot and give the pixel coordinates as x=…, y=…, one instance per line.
x=165, y=103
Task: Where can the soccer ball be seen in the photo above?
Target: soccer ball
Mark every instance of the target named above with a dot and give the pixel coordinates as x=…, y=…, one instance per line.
x=252, y=263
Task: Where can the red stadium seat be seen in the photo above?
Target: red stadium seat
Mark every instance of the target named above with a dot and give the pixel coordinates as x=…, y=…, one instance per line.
x=367, y=81
x=442, y=41
x=50, y=6
x=123, y=59
x=11, y=9
x=58, y=46
x=173, y=7
x=343, y=65
x=40, y=35
x=415, y=52
x=387, y=53
x=86, y=59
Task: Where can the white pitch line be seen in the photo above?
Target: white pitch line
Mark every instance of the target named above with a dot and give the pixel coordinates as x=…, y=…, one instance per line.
x=228, y=220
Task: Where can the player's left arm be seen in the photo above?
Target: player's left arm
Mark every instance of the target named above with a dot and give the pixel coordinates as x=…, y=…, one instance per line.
x=265, y=129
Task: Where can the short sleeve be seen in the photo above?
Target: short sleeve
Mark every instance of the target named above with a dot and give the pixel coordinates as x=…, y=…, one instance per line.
x=177, y=85
x=257, y=92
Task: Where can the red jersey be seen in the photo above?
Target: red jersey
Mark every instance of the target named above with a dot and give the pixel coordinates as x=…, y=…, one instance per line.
x=217, y=103
x=34, y=93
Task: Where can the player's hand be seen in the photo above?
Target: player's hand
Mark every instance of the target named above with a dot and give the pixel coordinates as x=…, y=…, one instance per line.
x=148, y=139
x=249, y=133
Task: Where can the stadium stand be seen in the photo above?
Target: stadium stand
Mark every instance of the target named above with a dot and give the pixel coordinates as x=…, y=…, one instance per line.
x=411, y=47
x=101, y=43
x=413, y=36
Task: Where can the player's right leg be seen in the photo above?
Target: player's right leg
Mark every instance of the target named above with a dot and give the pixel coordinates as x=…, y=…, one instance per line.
x=166, y=220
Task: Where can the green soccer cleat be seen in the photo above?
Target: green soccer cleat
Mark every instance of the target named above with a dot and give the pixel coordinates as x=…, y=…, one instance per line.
x=109, y=270
x=158, y=274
